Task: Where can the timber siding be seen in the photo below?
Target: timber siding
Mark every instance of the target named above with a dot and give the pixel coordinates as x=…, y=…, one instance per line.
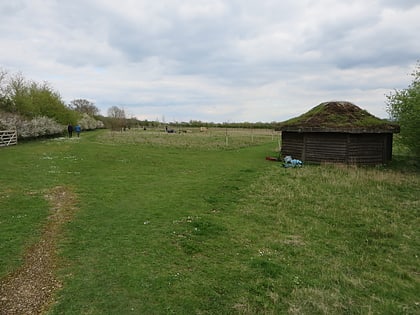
x=338, y=132
x=338, y=147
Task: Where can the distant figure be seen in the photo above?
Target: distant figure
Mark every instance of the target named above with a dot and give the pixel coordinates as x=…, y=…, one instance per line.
x=169, y=130
x=78, y=129
x=70, y=130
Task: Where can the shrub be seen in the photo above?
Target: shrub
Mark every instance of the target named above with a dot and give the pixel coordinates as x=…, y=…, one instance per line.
x=89, y=123
x=36, y=127
x=404, y=107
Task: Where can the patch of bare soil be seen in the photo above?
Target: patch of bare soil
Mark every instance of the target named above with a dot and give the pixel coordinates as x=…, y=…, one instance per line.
x=30, y=289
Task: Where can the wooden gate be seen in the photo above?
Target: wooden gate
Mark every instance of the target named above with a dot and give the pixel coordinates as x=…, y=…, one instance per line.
x=8, y=137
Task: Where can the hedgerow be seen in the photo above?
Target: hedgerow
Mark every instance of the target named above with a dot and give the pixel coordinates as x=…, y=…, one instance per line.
x=36, y=127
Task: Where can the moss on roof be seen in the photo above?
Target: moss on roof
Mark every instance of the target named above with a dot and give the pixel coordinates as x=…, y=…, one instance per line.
x=338, y=116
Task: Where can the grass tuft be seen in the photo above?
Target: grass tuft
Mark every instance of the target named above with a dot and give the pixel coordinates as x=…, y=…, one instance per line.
x=181, y=224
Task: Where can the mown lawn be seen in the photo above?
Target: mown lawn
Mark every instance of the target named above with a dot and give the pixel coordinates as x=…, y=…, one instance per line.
x=183, y=224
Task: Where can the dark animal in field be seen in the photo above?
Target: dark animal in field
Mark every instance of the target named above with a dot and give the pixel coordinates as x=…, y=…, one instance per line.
x=169, y=130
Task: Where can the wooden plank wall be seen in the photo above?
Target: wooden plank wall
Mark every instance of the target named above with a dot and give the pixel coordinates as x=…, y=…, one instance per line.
x=367, y=149
x=318, y=147
x=292, y=144
x=326, y=147
x=8, y=137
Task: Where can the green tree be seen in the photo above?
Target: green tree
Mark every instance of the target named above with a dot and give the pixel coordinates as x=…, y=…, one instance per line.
x=18, y=91
x=43, y=100
x=84, y=106
x=404, y=107
x=31, y=99
x=6, y=103
x=117, y=117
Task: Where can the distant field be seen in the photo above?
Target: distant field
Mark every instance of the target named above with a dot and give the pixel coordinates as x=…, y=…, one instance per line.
x=206, y=139
x=200, y=223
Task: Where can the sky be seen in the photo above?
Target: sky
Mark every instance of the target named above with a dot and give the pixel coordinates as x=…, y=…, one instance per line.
x=214, y=60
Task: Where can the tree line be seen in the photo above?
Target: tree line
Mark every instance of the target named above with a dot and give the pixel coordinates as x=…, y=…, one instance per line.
x=35, y=109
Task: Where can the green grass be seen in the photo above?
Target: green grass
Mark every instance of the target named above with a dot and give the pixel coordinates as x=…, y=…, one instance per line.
x=183, y=224
x=338, y=115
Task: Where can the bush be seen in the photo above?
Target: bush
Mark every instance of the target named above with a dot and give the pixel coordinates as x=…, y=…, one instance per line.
x=36, y=127
x=404, y=107
x=89, y=123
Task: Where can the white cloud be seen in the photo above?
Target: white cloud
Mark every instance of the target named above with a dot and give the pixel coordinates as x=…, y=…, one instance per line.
x=226, y=60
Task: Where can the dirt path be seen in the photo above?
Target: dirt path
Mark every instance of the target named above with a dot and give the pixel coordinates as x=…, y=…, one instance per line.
x=30, y=289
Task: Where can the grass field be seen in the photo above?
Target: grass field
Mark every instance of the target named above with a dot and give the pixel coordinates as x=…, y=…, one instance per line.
x=193, y=223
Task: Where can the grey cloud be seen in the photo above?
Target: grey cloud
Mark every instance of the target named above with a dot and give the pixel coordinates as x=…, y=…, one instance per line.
x=194, y=56
x=8, y=8
x=404, y=4
x=363, y=41
x=181, y=40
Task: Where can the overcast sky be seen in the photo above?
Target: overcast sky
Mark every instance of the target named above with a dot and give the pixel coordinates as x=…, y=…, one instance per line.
x=214, y=60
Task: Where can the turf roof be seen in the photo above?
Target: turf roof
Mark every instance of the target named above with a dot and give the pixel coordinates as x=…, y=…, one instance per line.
x=338, y=116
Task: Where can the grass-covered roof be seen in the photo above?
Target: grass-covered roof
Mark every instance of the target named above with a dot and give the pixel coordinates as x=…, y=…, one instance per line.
x=338, y=116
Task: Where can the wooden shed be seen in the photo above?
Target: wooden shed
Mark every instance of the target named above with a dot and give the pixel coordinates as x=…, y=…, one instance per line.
x=338, y=132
